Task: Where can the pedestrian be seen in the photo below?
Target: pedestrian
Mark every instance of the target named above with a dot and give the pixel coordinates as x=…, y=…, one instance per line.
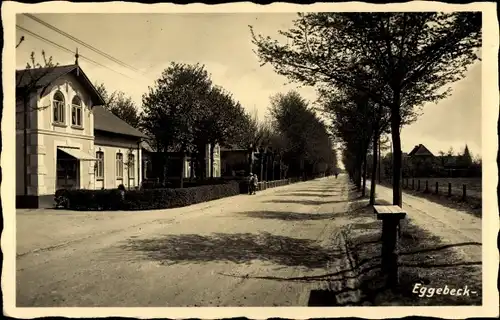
x=250, y=183
x=255, y=183
x=121, y=189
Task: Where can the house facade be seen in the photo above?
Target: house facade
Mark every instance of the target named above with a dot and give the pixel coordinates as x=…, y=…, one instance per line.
x=65, y=139
x=234, y=161
x=153, y=163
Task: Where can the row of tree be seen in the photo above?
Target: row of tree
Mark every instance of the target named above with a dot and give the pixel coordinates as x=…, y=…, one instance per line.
x=301, y=138
x=374, y=71
x=185, y=111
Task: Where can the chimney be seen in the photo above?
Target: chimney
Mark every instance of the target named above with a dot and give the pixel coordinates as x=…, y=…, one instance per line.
x=76, y=56
x=76, y=62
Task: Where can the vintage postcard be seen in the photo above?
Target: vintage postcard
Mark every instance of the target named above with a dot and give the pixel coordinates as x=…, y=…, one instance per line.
x=237, y=160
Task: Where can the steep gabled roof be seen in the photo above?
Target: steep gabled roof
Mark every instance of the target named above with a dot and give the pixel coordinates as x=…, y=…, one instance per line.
x=41, y=78
x=420, y=150
x=105, y=120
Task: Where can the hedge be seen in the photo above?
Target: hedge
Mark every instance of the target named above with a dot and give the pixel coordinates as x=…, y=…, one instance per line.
x=187, y=183
x=145, y=199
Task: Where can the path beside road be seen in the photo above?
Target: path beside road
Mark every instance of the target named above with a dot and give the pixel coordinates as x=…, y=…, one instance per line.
x=451, y=225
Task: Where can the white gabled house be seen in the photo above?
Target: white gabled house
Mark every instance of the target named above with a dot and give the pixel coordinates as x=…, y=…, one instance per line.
x=65, y=138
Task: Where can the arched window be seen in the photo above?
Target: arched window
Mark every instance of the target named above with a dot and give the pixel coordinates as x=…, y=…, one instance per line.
x=119, y=166
x=99, y=168
x=58, y=106
x=131, y=166
x=76, y=112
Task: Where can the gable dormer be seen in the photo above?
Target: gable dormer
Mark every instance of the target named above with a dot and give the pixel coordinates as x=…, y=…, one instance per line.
x=61, y=99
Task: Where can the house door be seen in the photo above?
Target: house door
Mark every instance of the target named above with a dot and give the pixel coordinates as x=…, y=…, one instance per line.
x=68, y=171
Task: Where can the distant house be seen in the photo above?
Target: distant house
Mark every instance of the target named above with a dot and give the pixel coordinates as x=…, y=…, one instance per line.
x=457, y=162
x=420, y=162
x=72, y=141
x=234, y=161
x=420, y=151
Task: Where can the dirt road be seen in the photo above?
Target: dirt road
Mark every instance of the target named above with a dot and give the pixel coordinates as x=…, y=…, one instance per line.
x=229, y=252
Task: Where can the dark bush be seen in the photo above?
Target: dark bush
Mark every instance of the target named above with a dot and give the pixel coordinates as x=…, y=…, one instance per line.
x=190, y=183
x=61, y=198
x=152, y=184
x=148, y=199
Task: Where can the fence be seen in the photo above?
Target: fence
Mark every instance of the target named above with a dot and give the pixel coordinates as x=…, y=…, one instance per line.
x=446, y=188
x=263, y=185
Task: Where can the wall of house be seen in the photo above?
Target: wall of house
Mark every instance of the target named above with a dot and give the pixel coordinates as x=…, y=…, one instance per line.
x=216, y=169
x=31, y=111
x=46, y=170
x=70, y=87
x=111, y=146
x=44, y=136
x=19, y=164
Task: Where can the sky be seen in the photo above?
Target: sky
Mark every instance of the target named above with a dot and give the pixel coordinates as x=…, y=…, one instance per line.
x=222, y=42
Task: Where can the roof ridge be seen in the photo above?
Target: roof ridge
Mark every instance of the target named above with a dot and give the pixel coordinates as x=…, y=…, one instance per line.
x=130, y=127
x=61, y=66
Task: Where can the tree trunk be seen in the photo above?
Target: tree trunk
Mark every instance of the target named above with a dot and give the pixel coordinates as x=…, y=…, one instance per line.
x=164, y=168
x=212, y=146
x=266, y=166
x=274, y=168
x=379, y=161
x=261, y=166
x=281, y=169
x=192, y=162
x=183, y=166
x=365, y=168
x=396, y=143
x=357, y=177
x=250, y=160
x=201, y=162
x=376, y=148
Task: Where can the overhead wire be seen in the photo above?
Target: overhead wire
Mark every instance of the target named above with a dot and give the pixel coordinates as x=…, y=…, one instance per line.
x=69, y=50
x=96, y=50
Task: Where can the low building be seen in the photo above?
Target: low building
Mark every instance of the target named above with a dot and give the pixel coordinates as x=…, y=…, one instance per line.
x=154, y=163
x=65, y=138
x=420, y=151
x=234, y=161
x=117, y=150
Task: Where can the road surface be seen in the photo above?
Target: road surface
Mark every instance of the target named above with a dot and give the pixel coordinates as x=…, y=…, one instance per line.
x=258, y=250
x=229, y=252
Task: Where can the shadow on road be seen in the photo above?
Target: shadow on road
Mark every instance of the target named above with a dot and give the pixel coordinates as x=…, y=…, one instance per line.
x=306, y=202
x=303, y=194
x=288, y=216
x=316, y=190
x=236, y=248
x=424, y=258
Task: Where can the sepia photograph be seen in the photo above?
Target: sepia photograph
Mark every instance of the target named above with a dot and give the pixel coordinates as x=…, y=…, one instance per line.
x=306, y=158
